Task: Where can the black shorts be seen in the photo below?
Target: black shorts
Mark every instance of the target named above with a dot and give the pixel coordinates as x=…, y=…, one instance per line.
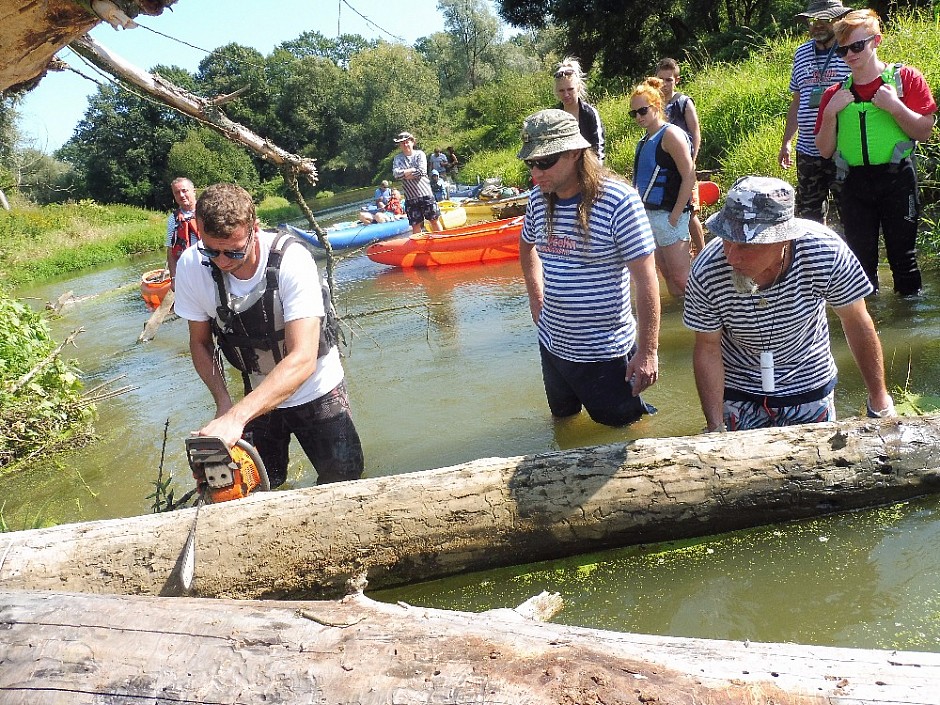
x=422, y=208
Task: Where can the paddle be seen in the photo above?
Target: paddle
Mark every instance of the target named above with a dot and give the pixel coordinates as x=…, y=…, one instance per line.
x=156, y=318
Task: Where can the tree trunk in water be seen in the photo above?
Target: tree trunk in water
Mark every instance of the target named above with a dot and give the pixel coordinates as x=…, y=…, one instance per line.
x=85, y=649
x=488, y=513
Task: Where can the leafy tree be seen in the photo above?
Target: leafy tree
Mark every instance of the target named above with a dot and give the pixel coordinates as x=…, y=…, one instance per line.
x=475, y=33
x=206, y=157
x=339, y=50
x=45, y=179
x=387, y=89
x=626, y=39
x=121, y=145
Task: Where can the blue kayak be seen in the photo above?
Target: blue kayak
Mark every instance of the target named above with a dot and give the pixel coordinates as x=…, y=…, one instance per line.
x=354, y=234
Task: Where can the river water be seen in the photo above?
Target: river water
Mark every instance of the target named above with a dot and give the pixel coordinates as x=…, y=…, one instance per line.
x=443, y=368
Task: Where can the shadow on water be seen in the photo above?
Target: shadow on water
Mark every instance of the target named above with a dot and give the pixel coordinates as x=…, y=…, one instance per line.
x=443, y=368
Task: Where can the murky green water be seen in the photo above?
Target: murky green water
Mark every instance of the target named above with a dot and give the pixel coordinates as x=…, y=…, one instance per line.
x=443, y=368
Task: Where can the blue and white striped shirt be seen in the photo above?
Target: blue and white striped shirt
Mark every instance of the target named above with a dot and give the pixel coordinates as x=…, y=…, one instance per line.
x=789, y=318
x=415, y=186
x=586, y=311
x=810, y=70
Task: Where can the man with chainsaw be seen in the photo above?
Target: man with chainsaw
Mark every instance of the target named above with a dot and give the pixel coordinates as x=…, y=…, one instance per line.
x=255, y=297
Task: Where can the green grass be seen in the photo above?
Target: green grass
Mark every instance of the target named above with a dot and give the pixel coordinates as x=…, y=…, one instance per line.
x=40, y=242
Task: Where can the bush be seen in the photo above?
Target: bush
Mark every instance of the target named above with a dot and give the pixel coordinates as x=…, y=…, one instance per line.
x=45, y=410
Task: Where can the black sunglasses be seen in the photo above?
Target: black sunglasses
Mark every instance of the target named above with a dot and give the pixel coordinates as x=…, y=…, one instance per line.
x=545, y=163
x=639, y=111
x=564, y=72
x=231, y=254
x=856, y=47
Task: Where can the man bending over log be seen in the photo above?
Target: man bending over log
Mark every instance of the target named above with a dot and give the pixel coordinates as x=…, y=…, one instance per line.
x=756, y=299
x=257, y=295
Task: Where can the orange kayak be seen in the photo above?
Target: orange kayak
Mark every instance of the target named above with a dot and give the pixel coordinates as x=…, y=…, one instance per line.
x=484, y=242
x=153, y=287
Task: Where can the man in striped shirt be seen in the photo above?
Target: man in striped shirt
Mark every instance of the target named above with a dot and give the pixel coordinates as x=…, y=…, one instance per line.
x=411, y=168
x=585, y=235
x=816, y=66
x=756, y=299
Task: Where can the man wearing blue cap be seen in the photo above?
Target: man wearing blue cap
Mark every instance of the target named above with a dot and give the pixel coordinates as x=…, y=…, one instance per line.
x=756, y=299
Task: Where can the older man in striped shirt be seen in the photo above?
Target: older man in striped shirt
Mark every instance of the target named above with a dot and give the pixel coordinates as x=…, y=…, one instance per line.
x=756, y=299
x=585, y=235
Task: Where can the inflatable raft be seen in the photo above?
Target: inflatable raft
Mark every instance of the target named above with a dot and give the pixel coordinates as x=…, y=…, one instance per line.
x=353, y=234
x=473, y=244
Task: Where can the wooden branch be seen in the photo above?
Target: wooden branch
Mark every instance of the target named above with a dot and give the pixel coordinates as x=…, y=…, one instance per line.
x=48, y=359
x=192, y=105
x=488, y=513
x=88, y=649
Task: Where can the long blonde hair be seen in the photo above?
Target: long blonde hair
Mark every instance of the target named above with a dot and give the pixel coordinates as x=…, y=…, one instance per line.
x=591, y=175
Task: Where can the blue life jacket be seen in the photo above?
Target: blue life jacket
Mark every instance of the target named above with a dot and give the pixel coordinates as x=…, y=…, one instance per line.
x=655, y=175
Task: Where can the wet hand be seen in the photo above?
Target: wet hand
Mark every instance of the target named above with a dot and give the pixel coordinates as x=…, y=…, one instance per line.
x=643, y=372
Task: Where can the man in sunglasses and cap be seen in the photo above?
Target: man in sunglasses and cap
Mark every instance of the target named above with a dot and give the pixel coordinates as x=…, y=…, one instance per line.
x=584, y=238
x=870, y=124
x=816, y=66
x=756, y=299
x=255, y=297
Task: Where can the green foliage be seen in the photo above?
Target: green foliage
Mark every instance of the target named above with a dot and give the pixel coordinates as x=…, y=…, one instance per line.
x=206, y=157
x=40, y=242
x=277, y=209
x=40, y=396
x=502, y=163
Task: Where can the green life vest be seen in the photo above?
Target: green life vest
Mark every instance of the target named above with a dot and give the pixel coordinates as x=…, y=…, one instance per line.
x=869, y=135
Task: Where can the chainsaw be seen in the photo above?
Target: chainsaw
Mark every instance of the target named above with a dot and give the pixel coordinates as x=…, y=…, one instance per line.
x=223, y=474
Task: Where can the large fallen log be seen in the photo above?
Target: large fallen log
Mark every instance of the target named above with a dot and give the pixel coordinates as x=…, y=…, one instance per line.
x=32, y=32
x=416, y=526
x=87, y=649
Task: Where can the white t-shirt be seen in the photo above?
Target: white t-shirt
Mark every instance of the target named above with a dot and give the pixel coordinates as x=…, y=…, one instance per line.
x=299, y=290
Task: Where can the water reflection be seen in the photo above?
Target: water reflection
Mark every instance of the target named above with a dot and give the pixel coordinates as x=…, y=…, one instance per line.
x=867, y=579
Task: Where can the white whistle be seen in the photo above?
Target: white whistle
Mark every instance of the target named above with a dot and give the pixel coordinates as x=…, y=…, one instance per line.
x=767, y=371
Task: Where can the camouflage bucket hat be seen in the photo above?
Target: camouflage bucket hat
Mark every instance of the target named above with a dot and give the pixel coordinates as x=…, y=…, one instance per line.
x=824, y=10
x=550, y=132
x=758, y=210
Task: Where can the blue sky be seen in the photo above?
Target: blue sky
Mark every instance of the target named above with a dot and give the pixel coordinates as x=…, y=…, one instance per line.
x=49, y=113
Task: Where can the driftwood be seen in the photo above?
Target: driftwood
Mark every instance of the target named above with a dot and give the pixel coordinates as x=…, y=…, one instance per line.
x=156, y=318
x=87, y=649
x=32, y=32
x=416, y=526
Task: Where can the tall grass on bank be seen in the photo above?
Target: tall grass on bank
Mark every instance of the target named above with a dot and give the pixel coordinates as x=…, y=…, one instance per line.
x=41, y=242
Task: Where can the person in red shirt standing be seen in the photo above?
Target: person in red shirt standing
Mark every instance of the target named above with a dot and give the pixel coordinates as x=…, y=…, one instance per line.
x=870, y=124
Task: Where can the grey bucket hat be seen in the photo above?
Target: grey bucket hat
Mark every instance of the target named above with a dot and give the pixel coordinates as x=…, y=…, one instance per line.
x=824, y=10
x=758, y=210
x=402, y=136
x=550, y=132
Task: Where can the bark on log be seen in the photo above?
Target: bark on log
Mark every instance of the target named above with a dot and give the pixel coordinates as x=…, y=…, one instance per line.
x=84, y=649
x=32, y=32
x=417, y=526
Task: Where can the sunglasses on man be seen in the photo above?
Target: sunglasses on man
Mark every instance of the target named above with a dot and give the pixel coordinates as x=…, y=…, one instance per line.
x=639, y=111
x=854, y=47
x=231, y=254
x=543, y=164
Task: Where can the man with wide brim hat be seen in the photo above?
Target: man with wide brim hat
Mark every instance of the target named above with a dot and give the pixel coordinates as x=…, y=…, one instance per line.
x=816, y=66
x=410, y=167
x=756, y=299
x=828, y=10
x=584, y=239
